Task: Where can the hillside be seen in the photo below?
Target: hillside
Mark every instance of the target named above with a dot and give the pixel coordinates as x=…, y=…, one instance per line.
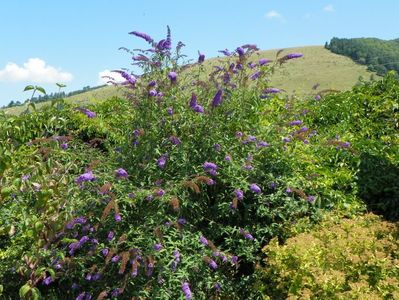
x=378, y=55
x=319, y=65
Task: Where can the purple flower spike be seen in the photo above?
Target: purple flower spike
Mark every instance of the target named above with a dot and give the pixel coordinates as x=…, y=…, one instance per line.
x=240, y=51
x=160, y=192
x=88, y=176
x=157, y=247
x=203, y=240
x=186, y=290
x=198, y=108
x=317, y=97
x=239, y=194
x=234, y=259
x=48, y=280
x=64, y=146
x=174, y=140
x=118, y=218
x=161, y=162
x=225, y=52
x=152, y=93
x=115, y=259
x=172, y=76
x=227, y=158
x=255, y=188
x=170, y=111
x=217, y=286
x=271, y=91
x=90, y=114
x=212, y=264
x=217, y=99
x=293, y=55
x=210, y=181
x=193, y=100
x=264, y=61
x=142, y=35
x=311, y=199
x=201, y=58
x=262, y=144
x=110, y=236
x=121, y=173
x=256, y=75
x=105, y=251
x=217, y=147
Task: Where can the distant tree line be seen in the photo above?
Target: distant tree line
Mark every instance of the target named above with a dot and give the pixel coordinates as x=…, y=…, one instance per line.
x=380, y=56
x=52, y=96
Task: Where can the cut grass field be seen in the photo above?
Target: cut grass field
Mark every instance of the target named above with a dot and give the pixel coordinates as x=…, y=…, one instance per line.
x=318, y=66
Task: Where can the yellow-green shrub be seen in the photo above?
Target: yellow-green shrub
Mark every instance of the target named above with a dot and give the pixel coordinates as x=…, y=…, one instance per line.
x=340, y=259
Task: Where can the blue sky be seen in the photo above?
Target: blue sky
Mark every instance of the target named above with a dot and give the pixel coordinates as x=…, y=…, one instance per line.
x=48, y=41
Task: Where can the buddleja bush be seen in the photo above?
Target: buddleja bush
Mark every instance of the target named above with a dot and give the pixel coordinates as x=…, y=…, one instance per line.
x=196, y=187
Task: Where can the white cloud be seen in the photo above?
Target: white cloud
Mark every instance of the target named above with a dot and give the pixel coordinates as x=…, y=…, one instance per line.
x=107, y=73
x=329, y=8
x=35, y=70
x=274, y=15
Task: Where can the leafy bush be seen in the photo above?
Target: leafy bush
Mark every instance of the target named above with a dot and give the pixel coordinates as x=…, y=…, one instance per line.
x=339, y=259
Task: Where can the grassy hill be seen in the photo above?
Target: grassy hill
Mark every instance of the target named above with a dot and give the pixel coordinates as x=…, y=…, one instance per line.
x=319, y=65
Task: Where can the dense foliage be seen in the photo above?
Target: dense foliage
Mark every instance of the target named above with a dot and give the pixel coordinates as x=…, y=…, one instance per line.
x=172, y=192
x=339, y=259
x=379, y=55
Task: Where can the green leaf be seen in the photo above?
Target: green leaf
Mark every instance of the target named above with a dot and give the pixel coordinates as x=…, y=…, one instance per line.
x=28, y=88
x=40, y=89
x=24, y=290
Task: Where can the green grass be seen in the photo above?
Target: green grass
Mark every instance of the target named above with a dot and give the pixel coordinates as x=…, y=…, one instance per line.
x=319, y=65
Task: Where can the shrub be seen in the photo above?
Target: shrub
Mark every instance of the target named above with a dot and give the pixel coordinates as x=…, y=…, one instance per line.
x=338, y=259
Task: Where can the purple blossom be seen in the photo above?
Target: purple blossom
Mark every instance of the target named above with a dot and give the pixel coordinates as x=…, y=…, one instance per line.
x=209, y=166
x=286, y=140
x=201, y=58
x=182, y=221
x=164, y=45
x=317, y=97
x=157, y=247
x=48, y=280
x=105, y=251
x=90, y=114
x=311, y=199
x=227, y=158
x=212, y=264
x=186, y=290
x=239, y=194
x=271, y=90
x=262, y=144
x=246, y=235
x=234, y=259
x=217, y=99
x=81, y=296
x=198, y=108
x=255, y=188
x=25, y=177
x=142, y=35
x=115, y=293
x=149, y=198
x=264, y=61
x=174, y=140
x=239, y=134
x=121, y=173
x=247, y=167
x=160, y=192
x=193, y=100
x=73, y=247
x=150, y=269
x=293, y=55
x=288, y=191
x=115, y=258
x=64, y=146
x=129, y=78
x=118, y=218
x=152, y=83
x=210, y=181
x=170, y=111
x=251, y=65
x=176, y=255
x=240, y=51
x=161, y=162
x=88, y=176
x=255, y=75
x=225, y=52
x=217, y=147
x=172, y=76
x=218, y=287
x=295, y=123
x=83, y=240
x=203, y=240
x=110, y=236
x=152, y=93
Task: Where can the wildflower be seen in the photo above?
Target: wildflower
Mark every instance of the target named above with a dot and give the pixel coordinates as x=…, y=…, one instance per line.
x=88, y=276
x=311, y=199
x=129, y=78
x=152, y=83
x=186, y=290
x=255, y=75
x=225, y=52
x=115, y=258
x=164, y=45
x=115, y=293
x=172, y=76
x=286, y=140
x=88, y=176
x=73, y=247
x=90, y=114
x=160, y=192
x=105, y=251
x=83, y=240
x=118, y=218
x=239, y=194
x=210, y=181
x=182, y=221
x=263, y=61
x=110, y=236
x=247, y=167
x=251, y=65
x=81, y=296
x=150, y=269
x=152, y=93
x=295, y=123
x=142, y=35
x=64, y=146
x=271, y=90
x=262, y=144
x=273, y=185
x=293, y=55
x=193, y=100
x=157, y=247
x=288, y=191
x=234, y=259
x=227, y=158
x=48, y=280
x=240, y=51
x=121, y=173
x=212, y=264
x=209, y=166
x=176, y=255
x=203, y=240
x=25, y=177
x=198, y=108
x=247, y=235
x=217, y=286
x=255, y=188
x=217, y=99
x=239, y=134
x=317, y=97
x=174, y=140
x=170, y=111
x=217, y=147
x=201, y=58
x=161, y=162
x=149, y=198
x=131, y=195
